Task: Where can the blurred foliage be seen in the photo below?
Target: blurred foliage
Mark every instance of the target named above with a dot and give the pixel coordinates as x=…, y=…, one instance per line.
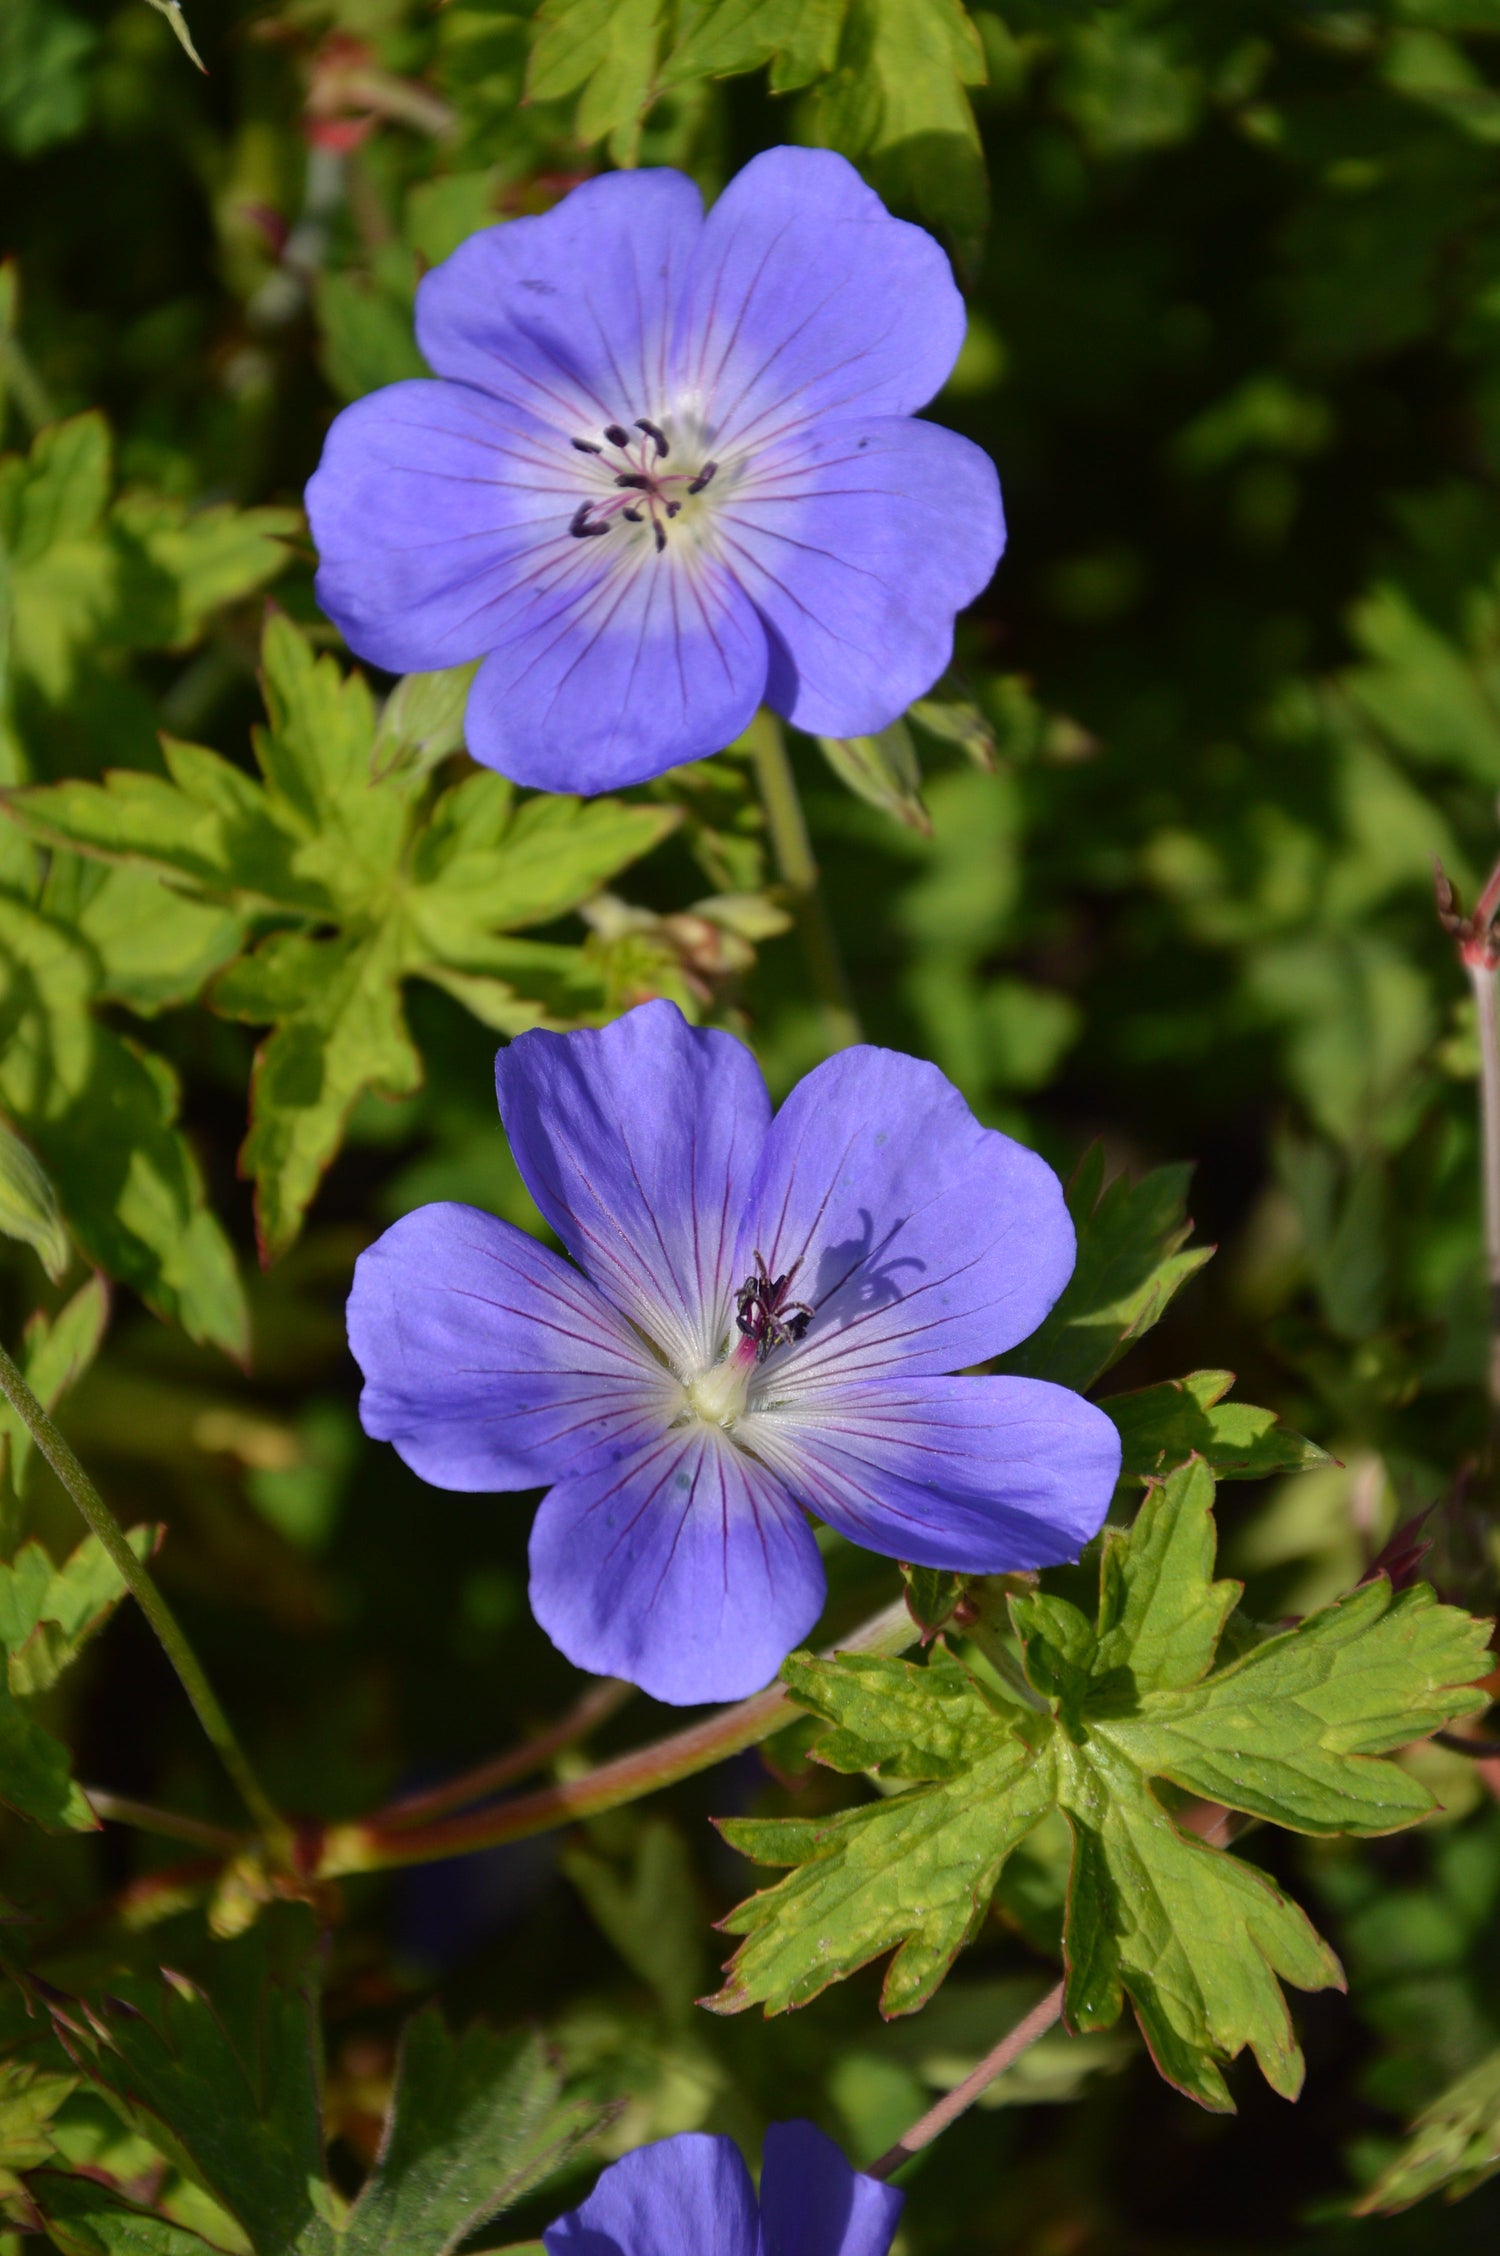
x=1151, y=869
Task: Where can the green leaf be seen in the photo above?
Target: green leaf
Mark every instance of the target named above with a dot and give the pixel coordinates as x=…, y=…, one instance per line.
x=83, y=2218
x=28, y=1205
x=48, y=1613
x=932, y=1597
x=1162, y=1426
x=1130, y=1265
x=883, y=771
x=81, y=572
x=172, y=10
x=651, y=1912
x=720, y=38
x=898, y=97
x=605, y=52
x=101, y=1116
x=43, y=89
x=422, y=720
x=1453, y=2146
x=487, y=866
x=1295, y=1732
x=36, y=1774
x=476, y=2122
x=342, y=838
x=340, y=1030
x=58, y=573
x=29, y=2100
x=226, y=2086
x=1437, y=701
x=55, y=1353
x=155, y=949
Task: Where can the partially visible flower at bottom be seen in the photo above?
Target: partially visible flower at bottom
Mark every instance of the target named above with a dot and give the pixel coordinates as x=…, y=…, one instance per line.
x=691, y=2196
x=762, y=1324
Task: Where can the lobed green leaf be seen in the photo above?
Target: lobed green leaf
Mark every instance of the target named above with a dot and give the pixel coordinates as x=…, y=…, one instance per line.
x=1162, y=1426
x=1200, y=1943
x=1131, y=1264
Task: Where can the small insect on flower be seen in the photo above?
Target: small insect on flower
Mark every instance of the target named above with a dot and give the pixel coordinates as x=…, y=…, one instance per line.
x=692, y=2194
x=667, y=470
x=685, y=1411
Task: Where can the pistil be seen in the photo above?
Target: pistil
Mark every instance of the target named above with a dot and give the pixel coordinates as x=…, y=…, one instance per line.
x=721, y=1395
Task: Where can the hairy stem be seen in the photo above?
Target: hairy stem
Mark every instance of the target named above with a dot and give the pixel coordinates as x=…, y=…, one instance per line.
x=1482, y=978
x=799, y=874
x=1036, y=2023
x=376, y=1845
x=152, y=1604
x=123, y=1809
x=598, y=1704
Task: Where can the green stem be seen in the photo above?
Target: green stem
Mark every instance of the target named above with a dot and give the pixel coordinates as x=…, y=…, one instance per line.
x=799, y=874
x=1036, y=2023
x=373, y=1845
x=123, y=1809
x=1482, y=978
x=158, y=1613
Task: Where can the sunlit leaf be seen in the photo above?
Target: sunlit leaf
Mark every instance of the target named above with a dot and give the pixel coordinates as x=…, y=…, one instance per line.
x=1296, y=1732
x=1131, y=1263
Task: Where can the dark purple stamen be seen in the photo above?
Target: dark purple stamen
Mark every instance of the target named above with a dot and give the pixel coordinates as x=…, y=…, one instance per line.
x=765, y=1314
x=594, y=517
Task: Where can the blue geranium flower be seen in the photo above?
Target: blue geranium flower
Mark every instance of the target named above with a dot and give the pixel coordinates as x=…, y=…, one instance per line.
x=691, y=2196
x=760, y=1325
x=667, y=471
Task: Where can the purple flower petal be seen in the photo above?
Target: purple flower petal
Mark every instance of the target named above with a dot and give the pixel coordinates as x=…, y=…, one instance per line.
x=857, y=546
x=490, y=1363
x=666, y=474
x=638, y=1143
x=435, y=510
x=570, y=315
x=924, y=1241
x=812, y=2203
x=684, y=2196
x=686, y=1568
x=807, y=299
x=981, y=1475
x=614, y=663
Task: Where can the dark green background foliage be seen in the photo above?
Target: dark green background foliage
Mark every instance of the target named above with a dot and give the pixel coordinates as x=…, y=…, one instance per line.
x=1234, y=271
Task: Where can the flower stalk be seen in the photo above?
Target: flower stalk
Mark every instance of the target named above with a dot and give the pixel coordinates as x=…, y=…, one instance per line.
x=799, y=874
x=269, y=1823
x=1042, y=2017
x=1478, y=942
x=384, y=1842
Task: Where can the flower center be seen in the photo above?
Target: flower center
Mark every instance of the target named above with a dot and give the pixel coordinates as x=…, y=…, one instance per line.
x=767, y=1318
x=722, y=1394
x=641, y=490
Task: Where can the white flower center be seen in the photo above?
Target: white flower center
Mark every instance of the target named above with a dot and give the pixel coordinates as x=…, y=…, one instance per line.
x=722, y=1395
x=633, y=486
